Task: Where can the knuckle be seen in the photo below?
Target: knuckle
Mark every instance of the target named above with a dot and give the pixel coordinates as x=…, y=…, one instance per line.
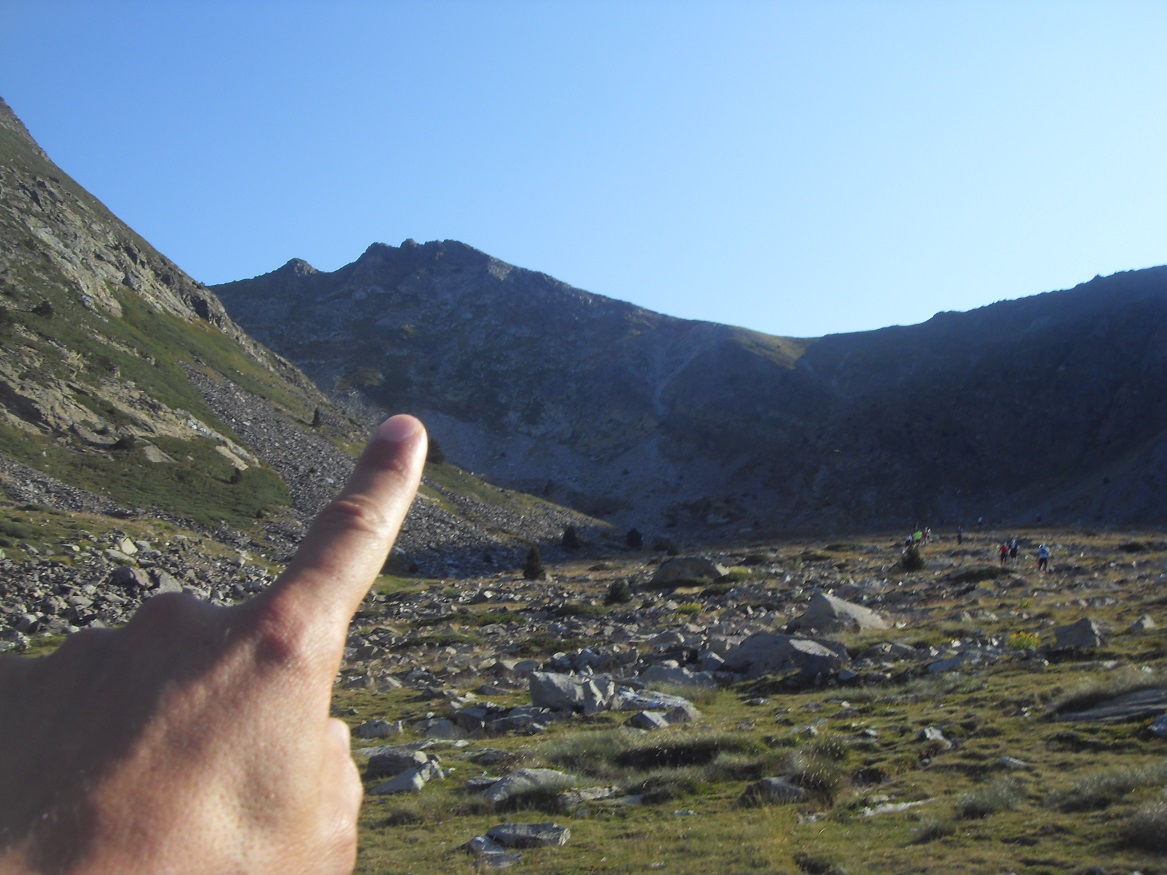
x=357, y=513
x=284, y=636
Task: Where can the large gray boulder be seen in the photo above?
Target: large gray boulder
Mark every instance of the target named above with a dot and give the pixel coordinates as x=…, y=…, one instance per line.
x=1083, y=635
x=529, y=835
x=829, y=614
x=523, y=781
x=687, y=569
x=675, y=708
x=410, y=781
x=770, y=653
x=590, y=694
x=393, y=760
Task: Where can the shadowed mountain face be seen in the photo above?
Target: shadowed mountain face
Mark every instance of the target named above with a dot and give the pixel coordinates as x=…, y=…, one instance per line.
x=1049, y=405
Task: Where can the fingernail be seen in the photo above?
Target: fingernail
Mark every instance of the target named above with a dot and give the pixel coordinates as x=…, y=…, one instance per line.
x=398, y=429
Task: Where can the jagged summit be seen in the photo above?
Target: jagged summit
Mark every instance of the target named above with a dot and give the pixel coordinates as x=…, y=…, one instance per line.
x=10, y=121
x=295, y=267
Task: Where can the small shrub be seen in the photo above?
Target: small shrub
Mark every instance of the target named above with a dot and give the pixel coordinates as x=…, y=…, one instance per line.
x=831, y=747
x=19, y=531
x=665, y=545
x=1024, y=641
x=533, y=564
x=619, y=592
x=570, y=539
x=912, y=560
x=736, y=574
x=820, y=775
x=688, y=608
x=931, y=829
x=576, y=609
x=676, y=751
x=591, y=753
x=666, y=785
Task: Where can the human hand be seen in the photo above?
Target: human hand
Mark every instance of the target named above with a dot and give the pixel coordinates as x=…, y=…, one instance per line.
x=197, y=738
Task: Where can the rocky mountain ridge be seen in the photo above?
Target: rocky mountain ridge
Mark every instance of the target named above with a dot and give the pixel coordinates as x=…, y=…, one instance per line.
x=1041, y=408
x=126, y=390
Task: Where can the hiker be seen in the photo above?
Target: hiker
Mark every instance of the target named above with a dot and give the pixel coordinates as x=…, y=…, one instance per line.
x=1003, y=551
x=1013, y=549
x=959, y=534
x=197, y=738
x=1043, y=558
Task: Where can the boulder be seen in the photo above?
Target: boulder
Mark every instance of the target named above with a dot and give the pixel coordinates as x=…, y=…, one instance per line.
x=1082, y=635
x=770, y=653
x=562, y=692
x=377, y=729
x=888, y=651
x=826, y=613
x=529, y=835
x=1143, y=624
x=409, y=781
x=648, y=720
x=687, y=569
x=523, y=781
x=393, y=761
x=130, y=578
x=675, y=708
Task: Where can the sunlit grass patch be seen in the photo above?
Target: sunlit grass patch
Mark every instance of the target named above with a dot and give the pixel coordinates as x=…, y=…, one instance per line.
x=1102, y=789
x=1000, y=794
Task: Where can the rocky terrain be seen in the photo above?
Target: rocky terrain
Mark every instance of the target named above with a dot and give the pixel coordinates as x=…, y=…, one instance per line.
x=1045, y=407
x=795, y=706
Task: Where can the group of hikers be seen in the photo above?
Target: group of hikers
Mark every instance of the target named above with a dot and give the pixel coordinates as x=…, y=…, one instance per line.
x=918, y=538
x=1006, y=550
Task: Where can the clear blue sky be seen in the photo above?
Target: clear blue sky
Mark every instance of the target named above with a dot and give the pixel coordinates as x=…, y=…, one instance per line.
x=800, y=168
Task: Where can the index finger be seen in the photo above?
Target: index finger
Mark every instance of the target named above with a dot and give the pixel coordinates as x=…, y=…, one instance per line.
x=347, y=544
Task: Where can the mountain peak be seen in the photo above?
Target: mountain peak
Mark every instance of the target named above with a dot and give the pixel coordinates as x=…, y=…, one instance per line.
x=10, y=121
x=296, y=267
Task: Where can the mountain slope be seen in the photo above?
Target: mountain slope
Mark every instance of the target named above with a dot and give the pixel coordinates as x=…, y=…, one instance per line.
x=126, y=389
x=1044, y=406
